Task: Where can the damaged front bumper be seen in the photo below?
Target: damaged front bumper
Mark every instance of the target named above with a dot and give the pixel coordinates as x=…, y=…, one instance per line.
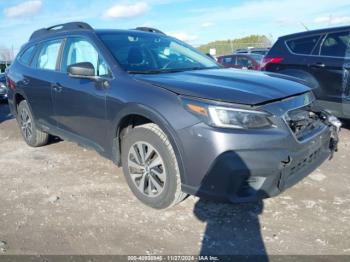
x=247, y=165
x=321, y=148
x=335, y=125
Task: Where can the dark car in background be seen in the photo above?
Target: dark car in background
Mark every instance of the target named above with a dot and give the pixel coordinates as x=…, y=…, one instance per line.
x=176, y=121
x=241, y=61
x=3, y=88
x=322, y=59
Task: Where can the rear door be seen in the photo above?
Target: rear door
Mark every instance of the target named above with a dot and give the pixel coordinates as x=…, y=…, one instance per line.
x=330, y=66
x=300, y=56
x=38, y=83
x=80, y=104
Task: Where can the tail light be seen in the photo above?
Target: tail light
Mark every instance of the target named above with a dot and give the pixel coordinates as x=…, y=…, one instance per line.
x=270, y=60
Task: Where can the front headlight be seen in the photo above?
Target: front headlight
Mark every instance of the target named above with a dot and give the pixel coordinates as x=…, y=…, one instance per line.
x=228, y=117
x=238, y=118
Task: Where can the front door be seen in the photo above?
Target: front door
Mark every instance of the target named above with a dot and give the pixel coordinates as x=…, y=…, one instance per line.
x=80, y=104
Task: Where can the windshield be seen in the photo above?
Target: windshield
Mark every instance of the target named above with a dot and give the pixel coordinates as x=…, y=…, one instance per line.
x=154, y=53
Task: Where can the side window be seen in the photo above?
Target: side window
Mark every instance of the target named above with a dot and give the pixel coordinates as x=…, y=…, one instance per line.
x=47, y=57
x=303, y=45
x=336, y=44
x=227, y=60
x=243, y=61
x=80, y=50
x=27, y=55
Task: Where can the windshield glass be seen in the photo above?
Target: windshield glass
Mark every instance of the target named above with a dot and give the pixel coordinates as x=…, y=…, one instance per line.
x=154, y=53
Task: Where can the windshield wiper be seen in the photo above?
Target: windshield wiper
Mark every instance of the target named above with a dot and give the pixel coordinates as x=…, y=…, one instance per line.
x=144, y=71
x=155, y=71
x=201, y=68
x=173, y=70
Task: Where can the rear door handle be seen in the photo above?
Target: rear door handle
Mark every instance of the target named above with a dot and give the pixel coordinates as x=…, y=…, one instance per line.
x=318, y=65
x=57, y=87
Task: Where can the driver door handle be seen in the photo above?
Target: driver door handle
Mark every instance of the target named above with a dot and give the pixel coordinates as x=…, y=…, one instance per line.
x=25, y=81
x=57, y=87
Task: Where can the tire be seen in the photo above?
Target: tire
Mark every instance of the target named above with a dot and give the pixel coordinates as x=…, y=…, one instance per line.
x=31, y=134
x=155, y=182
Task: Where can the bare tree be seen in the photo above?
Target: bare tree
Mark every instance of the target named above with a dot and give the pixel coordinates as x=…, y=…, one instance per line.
x=6, y=54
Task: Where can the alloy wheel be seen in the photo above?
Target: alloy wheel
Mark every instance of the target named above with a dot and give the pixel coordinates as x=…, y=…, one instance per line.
x=146, y=168
x=26, y=124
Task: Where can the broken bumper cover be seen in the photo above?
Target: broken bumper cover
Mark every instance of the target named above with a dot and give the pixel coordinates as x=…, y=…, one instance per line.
x=242, y=168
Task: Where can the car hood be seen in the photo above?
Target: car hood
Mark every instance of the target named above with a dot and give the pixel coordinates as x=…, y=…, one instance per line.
x=228, y=85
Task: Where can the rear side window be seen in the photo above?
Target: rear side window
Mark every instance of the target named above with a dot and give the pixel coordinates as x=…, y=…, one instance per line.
x=47, y=57
x=228, y=60
x=336, y=44
x=303, y=45
x=26, y=56
x=243, y=61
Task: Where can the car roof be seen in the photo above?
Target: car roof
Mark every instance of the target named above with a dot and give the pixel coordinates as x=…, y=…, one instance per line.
x=97, y=31
x=82, y=28
x=124, y=31
x=317, y=31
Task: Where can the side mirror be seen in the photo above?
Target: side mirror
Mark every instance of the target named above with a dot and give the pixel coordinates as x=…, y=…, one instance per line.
x=81, y=70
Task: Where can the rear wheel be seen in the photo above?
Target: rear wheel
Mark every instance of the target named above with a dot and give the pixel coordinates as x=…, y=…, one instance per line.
x=31, y=134
x=150, y=167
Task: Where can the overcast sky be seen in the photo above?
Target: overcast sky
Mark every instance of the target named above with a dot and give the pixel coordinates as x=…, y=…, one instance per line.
x=195, y=21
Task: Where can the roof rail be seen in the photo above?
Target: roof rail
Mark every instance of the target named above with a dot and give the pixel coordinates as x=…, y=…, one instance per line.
x=150, y=30
x=60, y=28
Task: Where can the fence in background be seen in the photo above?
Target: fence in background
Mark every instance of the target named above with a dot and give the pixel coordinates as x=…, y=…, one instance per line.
x=230, y=47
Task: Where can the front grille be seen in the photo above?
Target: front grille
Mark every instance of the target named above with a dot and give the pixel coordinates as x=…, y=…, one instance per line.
x=303, y=122
x=297, y=167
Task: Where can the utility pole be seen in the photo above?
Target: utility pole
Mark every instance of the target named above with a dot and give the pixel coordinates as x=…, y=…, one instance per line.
x=12, y=53
x=330, y=20
x=231, y=44
x=306, y=28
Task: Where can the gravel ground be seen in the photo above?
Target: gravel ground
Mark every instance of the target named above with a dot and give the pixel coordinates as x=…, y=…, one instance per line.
x=64, y=199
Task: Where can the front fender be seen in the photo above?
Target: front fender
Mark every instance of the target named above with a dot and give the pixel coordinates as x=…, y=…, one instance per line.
x=154, y=116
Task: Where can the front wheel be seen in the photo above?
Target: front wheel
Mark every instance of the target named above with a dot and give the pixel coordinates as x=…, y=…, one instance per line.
x=150, y=167
x=31, y=134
